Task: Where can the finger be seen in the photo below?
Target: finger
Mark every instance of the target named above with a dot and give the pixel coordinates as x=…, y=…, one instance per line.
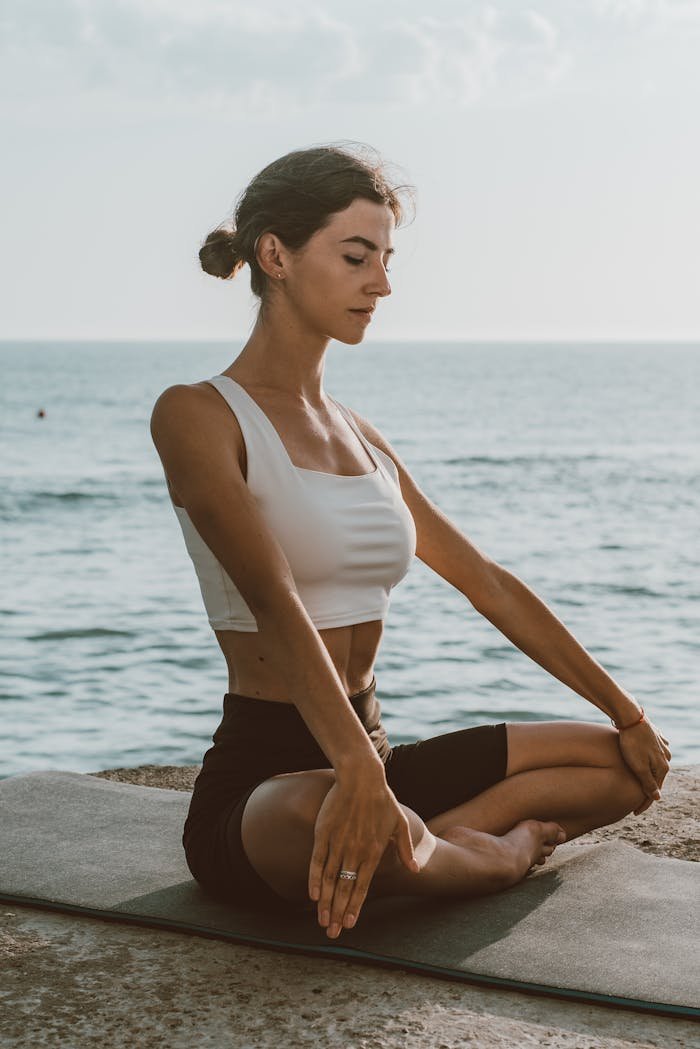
x=659, y=767
x=365, y=873
x=359, y=895
x=317, y=863
x=644, y=806
x=658, y=782
x=344, y=891
x=662, y=772
x=648, y=781
x=404, y=845
x=336, y=893
x=348, y=901
x=341, y=897
x=329, y=878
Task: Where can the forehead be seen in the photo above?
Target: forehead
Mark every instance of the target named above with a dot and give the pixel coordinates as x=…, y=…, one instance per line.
x=362, y=218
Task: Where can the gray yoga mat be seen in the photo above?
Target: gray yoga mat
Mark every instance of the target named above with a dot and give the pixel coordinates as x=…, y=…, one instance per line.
x=599, y=923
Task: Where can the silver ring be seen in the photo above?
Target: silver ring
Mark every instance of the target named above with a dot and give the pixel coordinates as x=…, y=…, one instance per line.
x=348, y=875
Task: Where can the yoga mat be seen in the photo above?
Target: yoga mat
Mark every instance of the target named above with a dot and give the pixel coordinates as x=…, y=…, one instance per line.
x=598, y=923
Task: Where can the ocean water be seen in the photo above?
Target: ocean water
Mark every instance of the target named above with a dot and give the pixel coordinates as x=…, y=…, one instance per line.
x=575, y=466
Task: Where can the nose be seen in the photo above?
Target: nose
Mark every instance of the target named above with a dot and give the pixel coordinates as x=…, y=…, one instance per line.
x=380, y=285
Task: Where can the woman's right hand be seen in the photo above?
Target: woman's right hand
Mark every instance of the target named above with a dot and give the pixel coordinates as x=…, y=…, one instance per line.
x=358, y=818
x=647, y=754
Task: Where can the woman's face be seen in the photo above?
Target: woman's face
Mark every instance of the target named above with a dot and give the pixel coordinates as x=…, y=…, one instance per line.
x=341, y=269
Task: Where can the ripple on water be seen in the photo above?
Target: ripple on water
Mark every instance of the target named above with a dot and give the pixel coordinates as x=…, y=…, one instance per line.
x=64, y=635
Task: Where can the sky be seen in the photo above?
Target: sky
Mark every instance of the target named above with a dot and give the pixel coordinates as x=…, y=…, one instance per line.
x=554, y=149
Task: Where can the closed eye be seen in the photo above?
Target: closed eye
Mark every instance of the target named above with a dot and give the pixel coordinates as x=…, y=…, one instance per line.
x=357, y=262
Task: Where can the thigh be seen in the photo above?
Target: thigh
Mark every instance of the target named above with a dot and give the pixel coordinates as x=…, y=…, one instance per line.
x=545, y=744
x=436, y=774
x=270, y=833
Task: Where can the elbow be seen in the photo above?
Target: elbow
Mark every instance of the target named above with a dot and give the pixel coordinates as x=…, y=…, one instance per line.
x=491, y=589
x=277, y=611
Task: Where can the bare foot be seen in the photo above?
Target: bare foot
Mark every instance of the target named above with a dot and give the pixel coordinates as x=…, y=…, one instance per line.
x=529, y=843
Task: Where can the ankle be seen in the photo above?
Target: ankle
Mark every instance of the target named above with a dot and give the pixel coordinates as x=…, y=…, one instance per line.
x=500, y=855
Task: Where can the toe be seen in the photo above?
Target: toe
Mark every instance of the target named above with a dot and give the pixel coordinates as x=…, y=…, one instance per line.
x=555, y=833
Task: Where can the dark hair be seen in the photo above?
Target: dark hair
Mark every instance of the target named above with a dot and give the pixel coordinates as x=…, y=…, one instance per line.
x=294, y=197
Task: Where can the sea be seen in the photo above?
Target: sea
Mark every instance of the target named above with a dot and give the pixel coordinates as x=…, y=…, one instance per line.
x=576, y=466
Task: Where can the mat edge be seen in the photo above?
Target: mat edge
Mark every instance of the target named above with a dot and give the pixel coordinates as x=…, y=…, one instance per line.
x=354, y=954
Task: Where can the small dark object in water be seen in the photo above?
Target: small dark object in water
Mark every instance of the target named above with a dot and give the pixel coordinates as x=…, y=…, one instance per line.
x=40, y=414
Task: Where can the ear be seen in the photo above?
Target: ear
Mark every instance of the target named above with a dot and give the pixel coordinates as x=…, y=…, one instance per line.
x=271, y=254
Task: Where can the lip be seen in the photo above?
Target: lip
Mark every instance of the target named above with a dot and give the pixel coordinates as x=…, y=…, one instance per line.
x=365, y=313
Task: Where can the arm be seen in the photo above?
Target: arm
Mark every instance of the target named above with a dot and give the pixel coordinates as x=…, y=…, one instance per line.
x=525, y=619
x=198, y=447
x=522, y=617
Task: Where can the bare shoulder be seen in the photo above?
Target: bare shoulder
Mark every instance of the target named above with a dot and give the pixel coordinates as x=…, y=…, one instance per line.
x=195, y=410
x=191, y=399
x=192, y=426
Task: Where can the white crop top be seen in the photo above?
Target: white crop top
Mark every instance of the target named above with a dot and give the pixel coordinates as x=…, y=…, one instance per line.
x=348, y=539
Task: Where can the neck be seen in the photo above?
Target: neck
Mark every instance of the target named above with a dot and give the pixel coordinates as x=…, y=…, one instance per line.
x=284, y=360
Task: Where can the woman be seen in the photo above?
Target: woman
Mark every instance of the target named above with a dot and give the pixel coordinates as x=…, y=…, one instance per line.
x=300, y=517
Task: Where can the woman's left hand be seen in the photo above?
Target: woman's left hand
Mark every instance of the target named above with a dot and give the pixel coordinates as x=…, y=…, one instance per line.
x=646, y=753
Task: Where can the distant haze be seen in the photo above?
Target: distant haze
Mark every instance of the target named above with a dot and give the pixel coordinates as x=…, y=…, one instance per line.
x=555, y=150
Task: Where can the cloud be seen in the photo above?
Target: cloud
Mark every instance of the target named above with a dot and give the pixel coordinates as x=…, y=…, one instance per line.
x=485, y=54
x=273, y=56
x=168, y=51
x=659, y=11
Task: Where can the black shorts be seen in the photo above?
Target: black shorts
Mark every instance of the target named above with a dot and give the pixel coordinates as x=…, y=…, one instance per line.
x=259, y=738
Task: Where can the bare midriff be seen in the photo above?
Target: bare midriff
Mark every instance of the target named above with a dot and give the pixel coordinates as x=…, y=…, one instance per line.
x=254, y=671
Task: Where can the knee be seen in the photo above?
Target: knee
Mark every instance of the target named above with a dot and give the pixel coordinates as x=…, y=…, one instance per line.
x=606, y=745
x=625, y=787
x=605, y=751
x=625, y=792
x=294, y=797
x=277, y=828
x=303, y=794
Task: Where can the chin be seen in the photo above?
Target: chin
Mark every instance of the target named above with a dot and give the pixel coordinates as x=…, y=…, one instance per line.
x=351, y=339
x=347, y=340
x=349, y=335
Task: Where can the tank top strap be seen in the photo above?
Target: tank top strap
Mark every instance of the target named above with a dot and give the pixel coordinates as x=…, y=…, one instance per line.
x=370, y=449
x=264, y=449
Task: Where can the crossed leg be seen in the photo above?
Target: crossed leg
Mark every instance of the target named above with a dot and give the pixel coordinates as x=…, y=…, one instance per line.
x=559, y=774
x=571, y=773
x=278, y=825
x=568, y=771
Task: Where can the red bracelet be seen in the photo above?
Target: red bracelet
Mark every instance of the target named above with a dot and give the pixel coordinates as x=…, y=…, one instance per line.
x=621, y=728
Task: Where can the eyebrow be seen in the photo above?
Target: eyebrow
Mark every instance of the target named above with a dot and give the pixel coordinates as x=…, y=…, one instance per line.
x=367, y=243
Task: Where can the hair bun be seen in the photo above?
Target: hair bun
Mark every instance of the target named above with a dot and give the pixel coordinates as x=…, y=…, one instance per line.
x=219, y=254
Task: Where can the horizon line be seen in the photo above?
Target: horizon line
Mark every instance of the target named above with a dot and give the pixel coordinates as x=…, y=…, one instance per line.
x=471, y=339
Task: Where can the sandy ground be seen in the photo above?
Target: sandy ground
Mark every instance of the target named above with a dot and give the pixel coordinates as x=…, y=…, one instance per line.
x=79, y=982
